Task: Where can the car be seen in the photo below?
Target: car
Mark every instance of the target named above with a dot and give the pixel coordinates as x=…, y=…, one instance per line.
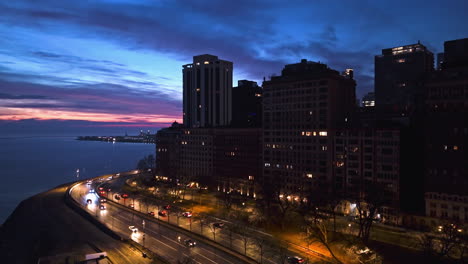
x=162, y=213
x=187, y=214
x=133, y=228
x=89, y=201
x=117, y=197
x=167, y=207
x=131, y=206
x=151, y=213
x=91, y=191
x=102, y=200
x=89, y=182
x=102, y=192
x=124, y=195
x=295, y=260
x=218, y=225
x=102, y=207
x=189, y=243
x=101, y=188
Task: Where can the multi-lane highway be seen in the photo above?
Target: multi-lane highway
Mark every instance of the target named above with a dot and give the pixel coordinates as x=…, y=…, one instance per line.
x=157, y=237
x=250, y=242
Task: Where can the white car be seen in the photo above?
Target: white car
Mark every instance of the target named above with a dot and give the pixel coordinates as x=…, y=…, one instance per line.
x=133, y=228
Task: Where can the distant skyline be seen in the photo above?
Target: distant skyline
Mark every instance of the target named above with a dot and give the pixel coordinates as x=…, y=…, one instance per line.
x=118, y=63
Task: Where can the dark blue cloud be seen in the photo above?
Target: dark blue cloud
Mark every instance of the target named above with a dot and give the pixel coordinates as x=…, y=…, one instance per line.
x=258, y=36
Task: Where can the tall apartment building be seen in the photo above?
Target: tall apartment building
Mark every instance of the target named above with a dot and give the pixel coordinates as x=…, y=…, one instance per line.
x=207, y=92
x=364, y=157
x=302, y=108
x=247, y=104
x=399, y=75
x=446, y=136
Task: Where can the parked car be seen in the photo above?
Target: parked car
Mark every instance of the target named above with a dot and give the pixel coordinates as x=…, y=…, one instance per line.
x=190, y=243
x=151, y=213
x=102, y=200
x=89, y=201
x=131, y=206
x=102, y=207
x=133, y=228
x=167, y=207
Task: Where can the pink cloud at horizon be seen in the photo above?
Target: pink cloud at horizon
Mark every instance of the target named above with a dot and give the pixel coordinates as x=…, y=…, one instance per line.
x=15, y=114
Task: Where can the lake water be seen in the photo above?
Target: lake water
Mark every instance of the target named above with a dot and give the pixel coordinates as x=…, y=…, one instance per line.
x=30, y=165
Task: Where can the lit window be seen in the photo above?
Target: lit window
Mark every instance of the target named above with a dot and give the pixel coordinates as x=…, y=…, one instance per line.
x=315, y=133
x=199, y=106
x=324, y=147
x=445, y=147
x=203, y=143
x=303, y=133
x=309, y=175
x=251, y=178
x=198, y=63
x=308, y=133
x=206, y=62
x=267, y=164
x=401, y=60
x=455, y=147
x=258, y=95
x=323, y=133
x=198, y=89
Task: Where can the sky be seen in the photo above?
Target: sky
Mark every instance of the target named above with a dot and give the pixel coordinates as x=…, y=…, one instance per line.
x=116, y=65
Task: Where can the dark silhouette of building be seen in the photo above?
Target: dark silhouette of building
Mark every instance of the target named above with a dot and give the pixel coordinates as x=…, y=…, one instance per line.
x=207, y=92
x=455, y=54
x=368, y=100
x=247, y=104
x=399, y=75
x=168, y=151
x=446, y=136
x=302, y=108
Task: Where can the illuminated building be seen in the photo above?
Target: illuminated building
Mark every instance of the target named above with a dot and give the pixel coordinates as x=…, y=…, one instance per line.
x=207, y=92
x=301, y=110
x=368, y=100
x=399, y=73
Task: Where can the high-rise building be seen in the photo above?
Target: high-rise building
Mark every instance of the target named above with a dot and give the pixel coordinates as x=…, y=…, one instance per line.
x=446, y=136
x=399, y=73
x=247, y=104
x=301, y=110
x=207, y=92
x=455, y=53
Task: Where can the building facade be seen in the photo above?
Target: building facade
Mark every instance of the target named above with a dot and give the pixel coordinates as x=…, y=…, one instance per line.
x=399, y=75
x=247, y=104
x=446, y=136
x=301, y=110
x=207, y=92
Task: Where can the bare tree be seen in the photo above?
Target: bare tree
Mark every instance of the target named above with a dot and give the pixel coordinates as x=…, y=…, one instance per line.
x=263, y=245
x=317, y=231
x=368, y=203
x=244, y=235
